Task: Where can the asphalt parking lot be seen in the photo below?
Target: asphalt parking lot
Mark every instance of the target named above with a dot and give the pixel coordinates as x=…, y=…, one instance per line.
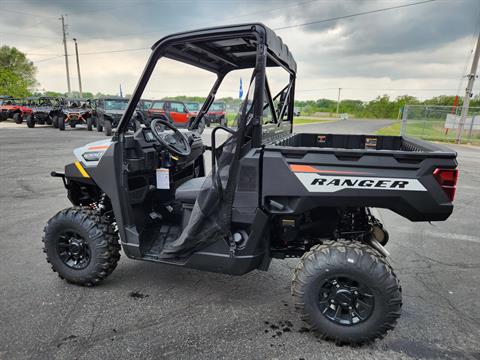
x=145, y=310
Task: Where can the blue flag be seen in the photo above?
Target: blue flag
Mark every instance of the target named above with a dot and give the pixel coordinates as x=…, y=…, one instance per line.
x=121, y=94
x=240, y=93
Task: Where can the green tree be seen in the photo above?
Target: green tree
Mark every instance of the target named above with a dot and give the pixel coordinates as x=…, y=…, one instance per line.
x=12, y=84
x=17, y=73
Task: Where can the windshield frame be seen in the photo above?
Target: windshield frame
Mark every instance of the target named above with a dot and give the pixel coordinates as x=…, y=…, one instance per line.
x=166, y=47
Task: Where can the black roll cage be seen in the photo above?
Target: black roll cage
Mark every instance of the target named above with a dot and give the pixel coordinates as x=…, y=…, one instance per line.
x=269, y=51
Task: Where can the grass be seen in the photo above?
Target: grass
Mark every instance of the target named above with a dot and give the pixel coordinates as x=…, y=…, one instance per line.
x=296, y=120
x=301, y=120
x=432, y=130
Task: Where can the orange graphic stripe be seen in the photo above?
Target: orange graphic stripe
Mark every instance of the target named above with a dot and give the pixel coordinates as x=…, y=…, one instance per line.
x=99, y=147
x=311, y=169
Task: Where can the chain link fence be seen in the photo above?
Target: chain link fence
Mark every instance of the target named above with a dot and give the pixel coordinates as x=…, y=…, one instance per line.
x=440, y=123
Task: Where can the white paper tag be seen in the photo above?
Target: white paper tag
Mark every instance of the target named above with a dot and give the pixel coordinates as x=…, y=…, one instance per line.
x=163, y=179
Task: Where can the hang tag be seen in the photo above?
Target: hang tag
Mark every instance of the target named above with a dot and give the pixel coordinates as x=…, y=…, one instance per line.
x=163, y=179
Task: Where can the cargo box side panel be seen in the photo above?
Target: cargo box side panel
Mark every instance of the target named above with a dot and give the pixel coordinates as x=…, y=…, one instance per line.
x=294, y=182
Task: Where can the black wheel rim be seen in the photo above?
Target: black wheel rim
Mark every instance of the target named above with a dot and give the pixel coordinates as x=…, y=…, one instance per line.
x=345, y=301
x=73, y=250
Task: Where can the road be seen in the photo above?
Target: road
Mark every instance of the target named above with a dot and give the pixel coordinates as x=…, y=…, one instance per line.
x=144, y=310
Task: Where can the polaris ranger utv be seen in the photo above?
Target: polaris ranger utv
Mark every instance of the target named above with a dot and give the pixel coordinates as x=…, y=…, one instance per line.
x=270, y=193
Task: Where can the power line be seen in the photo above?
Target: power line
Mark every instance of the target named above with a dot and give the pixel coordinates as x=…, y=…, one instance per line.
x=193, y=26
x=353, y=15
x=49, y=58
x=30, y=14
x=29, y=36
x=280, y=28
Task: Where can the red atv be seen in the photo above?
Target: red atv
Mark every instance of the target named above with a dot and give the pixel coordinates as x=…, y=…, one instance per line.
x=13, y=108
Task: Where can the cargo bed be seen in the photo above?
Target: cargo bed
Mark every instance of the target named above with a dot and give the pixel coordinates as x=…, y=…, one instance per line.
x=335, y=170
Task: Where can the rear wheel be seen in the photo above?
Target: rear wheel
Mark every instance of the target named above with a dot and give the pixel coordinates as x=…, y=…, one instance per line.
x=347, y=292
x=30, y=121
x=61, y=123
x=81, y=246
x=18, y=118
x=49, y=120
x=107, y=127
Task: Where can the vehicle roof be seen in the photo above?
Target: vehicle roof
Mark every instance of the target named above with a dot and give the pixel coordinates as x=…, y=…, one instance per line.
x=39, y=97
x=226, y=48
x=170, y=100
x=114, y=98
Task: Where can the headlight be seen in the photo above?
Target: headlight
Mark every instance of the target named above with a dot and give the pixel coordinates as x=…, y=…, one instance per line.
x=92, y=155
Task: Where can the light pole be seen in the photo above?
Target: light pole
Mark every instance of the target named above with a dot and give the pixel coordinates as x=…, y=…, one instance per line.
x=64, y=31
x=338, y=100
x=78, y=69
x=468, y=92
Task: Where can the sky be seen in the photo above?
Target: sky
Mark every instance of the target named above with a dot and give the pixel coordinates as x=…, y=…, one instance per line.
x=422, y=50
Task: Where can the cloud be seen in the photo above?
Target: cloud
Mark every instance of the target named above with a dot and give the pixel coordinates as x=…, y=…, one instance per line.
x=423, y=46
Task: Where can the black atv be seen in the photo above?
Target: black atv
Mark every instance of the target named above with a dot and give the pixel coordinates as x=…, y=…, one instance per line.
x=270, y=193
x=74, y=112
x=108, y=112
x=45, y=110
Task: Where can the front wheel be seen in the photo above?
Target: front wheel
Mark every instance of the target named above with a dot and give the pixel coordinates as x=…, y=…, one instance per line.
x=61, y=123
x=107, y=127
x=55, y=121
x=347, y=292
x=223, y=121
x=89, y=124
x=18, y=118
x=30, y=121
x=81, y=246
x=99, y=125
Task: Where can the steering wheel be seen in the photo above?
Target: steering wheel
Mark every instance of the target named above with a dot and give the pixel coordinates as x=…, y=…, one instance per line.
x=176, y=143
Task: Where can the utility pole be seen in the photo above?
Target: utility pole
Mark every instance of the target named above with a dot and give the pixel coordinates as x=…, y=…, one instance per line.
x=338, y=99
x=78, y=69
x=468, y=91
x=64, y=30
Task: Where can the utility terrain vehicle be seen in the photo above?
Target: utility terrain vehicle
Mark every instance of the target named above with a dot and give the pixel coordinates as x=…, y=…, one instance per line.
x=108, y=112
x=4, y=100
x=13, y=108
x=74, y=112
x=270, y=193
x=44, y=111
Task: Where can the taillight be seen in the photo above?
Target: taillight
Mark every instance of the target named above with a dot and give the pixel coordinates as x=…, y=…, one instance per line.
x=447, y=178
